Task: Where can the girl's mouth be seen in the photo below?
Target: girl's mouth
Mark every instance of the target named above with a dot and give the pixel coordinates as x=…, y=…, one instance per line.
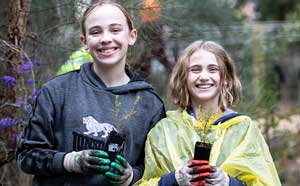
x=107, y=51
x=204, y=86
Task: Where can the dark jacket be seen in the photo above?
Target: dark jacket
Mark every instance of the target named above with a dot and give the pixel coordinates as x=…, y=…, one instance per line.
x=76, y=111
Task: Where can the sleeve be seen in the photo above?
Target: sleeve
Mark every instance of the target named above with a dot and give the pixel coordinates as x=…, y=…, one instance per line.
x=154, y=159
x=160, y=114
x=168, y=180
x=235, y=182
x=138, y=170
x=151, y=174
x=36, y=152
x=251, y=161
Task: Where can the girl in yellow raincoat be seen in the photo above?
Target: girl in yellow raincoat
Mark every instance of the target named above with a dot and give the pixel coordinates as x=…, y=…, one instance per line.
x=204, y=84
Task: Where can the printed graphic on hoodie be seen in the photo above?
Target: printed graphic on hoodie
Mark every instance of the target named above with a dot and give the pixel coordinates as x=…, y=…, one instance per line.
x=94, y=127
x=91, y=137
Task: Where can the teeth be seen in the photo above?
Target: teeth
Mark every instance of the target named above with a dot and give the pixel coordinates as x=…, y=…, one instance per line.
x=107, y=50
x=203, y=86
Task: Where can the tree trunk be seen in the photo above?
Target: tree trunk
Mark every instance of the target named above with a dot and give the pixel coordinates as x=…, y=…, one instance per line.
x=18, y=15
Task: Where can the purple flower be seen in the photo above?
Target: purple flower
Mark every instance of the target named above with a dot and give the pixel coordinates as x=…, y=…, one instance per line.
x=28, y=108
x=36, y=62
x=14, y=70
x=26, y=67
x=20, y=101
x=29, y=81
x=13, y=137
x=7, y=122
x=10, y=81
x=24, y=58
x=35, y=92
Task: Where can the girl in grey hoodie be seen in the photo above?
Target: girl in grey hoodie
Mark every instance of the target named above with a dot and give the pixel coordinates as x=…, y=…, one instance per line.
x=89, y=126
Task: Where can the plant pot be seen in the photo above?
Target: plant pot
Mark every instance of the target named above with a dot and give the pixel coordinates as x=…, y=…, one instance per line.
x=114, y=144
x=202, y=150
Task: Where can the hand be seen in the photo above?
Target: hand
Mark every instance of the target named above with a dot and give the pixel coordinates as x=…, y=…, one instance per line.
x=217, y=177
x=120, y=172
x=87, y=161
x=192, y=173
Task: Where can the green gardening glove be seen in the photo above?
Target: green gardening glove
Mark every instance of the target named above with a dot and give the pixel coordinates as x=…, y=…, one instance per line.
x=120, y=172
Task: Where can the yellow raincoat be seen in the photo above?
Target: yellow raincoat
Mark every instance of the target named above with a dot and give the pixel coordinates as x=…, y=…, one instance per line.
x=239, y=149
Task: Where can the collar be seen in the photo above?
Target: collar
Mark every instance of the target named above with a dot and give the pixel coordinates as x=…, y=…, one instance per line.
x=202, y=122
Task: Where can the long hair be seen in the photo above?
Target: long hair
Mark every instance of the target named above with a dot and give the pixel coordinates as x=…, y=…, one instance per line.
x=230, y=86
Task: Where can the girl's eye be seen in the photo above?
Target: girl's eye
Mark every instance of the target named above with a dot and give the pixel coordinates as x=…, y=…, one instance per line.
x=195, y=70
x=116, y=30
x=95, y=32
x=214, y=69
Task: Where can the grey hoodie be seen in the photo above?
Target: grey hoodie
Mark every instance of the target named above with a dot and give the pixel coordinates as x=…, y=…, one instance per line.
x=76, y=111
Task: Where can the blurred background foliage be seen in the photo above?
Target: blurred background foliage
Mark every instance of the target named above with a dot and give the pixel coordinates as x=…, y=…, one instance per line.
x=262, y=36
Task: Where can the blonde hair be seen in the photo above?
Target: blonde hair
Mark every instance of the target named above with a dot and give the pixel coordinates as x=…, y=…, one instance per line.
x=90, y=9
x=230, y=84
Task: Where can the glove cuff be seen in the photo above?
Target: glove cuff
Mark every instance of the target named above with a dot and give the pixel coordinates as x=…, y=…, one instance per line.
x=70, y=162
x=129, y=180
x=226, y=180
x=179, y=177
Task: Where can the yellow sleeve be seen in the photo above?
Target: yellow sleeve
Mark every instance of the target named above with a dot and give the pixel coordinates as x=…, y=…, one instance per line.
x=157, y=158
x=152, y=171
x=250, y=161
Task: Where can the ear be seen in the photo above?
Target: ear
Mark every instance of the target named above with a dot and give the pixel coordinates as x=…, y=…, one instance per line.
x=132, y=37
x=83, y=42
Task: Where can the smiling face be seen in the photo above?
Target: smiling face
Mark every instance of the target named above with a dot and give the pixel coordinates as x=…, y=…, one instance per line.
x=107, y=35
x=203, y=80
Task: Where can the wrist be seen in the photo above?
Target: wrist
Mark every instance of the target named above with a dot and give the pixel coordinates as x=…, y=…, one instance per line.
x=179, y=177
x=66, y=162
x=70, y=162
x=129, y=180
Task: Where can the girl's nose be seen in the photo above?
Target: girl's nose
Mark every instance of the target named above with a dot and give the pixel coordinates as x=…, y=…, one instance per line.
x=106, y=38
x=203, y=76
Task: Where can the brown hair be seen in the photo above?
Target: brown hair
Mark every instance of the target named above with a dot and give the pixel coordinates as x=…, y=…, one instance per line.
x=88, y=11
x=230, y=84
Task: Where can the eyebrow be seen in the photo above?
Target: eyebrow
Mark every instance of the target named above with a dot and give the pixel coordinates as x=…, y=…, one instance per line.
x=112, y=25
x=116, y=24
x=217, y=65
x=199, y=65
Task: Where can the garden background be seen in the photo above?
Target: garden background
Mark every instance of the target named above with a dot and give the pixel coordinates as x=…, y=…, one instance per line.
x=263, y=36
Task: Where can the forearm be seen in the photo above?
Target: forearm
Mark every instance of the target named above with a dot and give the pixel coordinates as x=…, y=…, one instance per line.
x=39, y=161
x=36, y=152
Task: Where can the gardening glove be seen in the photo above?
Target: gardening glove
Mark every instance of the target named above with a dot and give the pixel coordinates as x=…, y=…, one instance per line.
x=192, y=173
x=120, y=172
x=217, y=177
x=87, y=162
